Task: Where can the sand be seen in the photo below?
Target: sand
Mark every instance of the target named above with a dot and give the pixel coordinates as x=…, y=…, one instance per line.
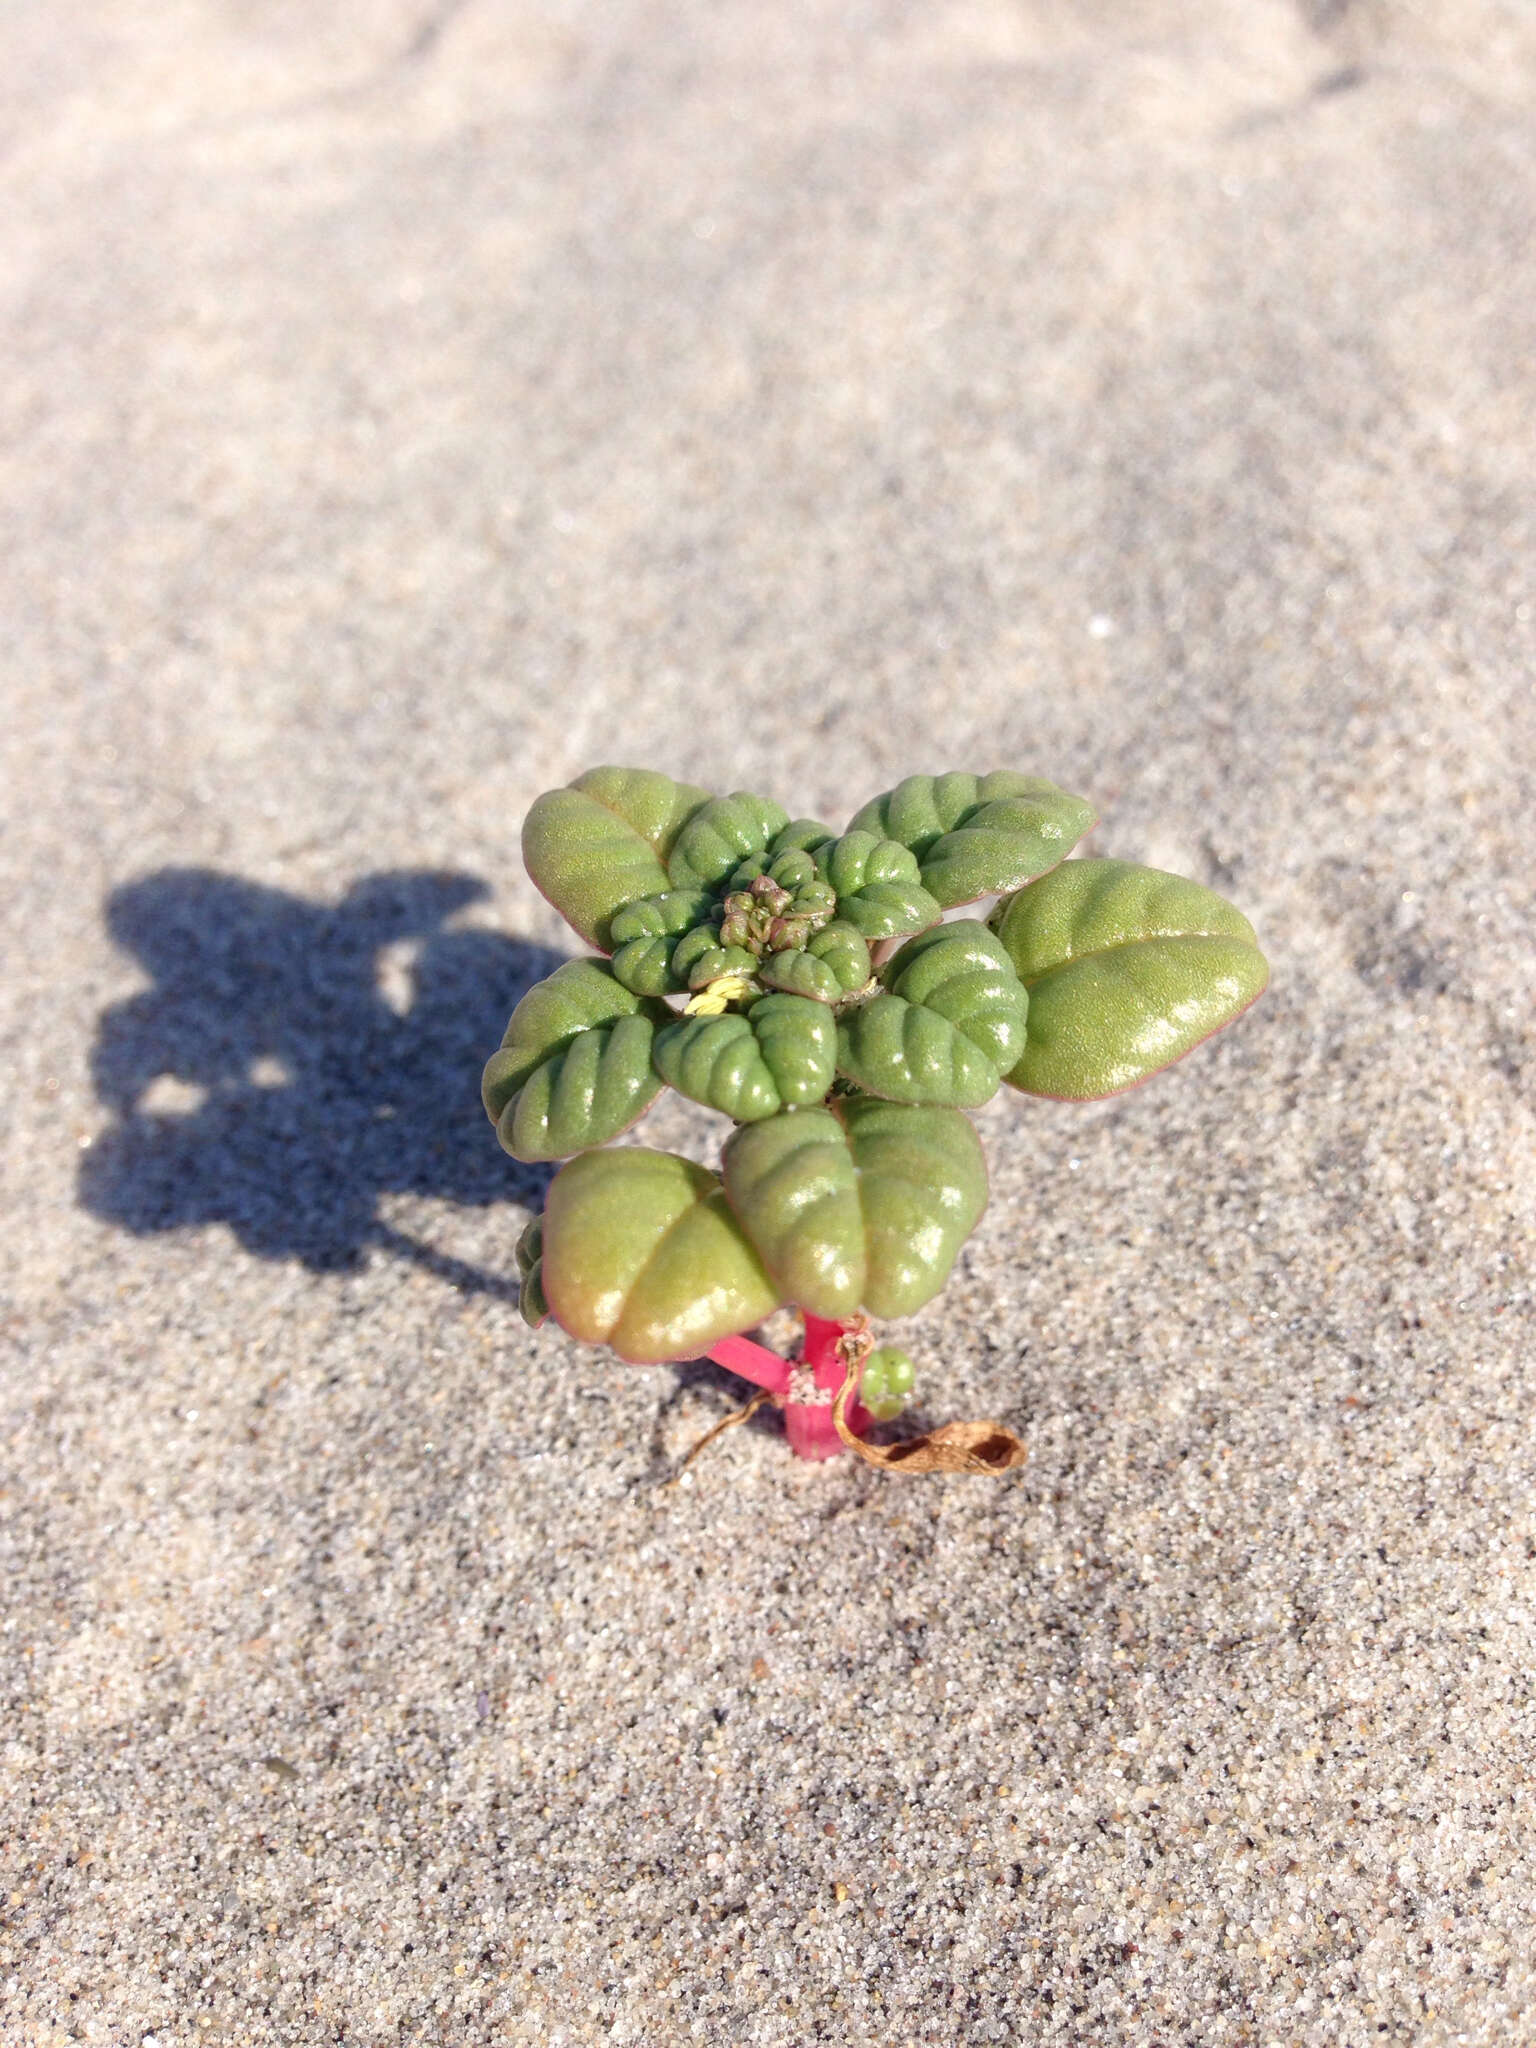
x=404, y=410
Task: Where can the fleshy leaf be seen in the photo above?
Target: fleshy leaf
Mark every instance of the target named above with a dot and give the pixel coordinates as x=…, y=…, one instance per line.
x=1127, y=969
x=642, y=1251
x=644, y=936
x=976, y=835
x=963, y=972
x=574, y=1068
x=699, y=958
x=531, y=1304
x=604, y=842
x=750, y=1065
x=879, y=891
x=866, y=1206
x=800, y=833
x=909, y=1053
x=720, y=836
x=845, y=950
x=800, y=973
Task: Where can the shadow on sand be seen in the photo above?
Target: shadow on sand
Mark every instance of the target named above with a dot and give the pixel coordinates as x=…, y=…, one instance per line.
x=294, y=1061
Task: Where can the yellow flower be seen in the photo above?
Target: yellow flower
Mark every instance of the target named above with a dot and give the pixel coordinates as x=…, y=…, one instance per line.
x=710, y=1001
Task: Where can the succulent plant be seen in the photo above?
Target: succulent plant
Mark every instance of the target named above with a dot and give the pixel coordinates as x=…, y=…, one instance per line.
x=812, y=986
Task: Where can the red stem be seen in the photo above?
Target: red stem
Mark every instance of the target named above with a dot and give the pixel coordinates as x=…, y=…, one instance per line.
x=808, y=1424
x=754, y=1362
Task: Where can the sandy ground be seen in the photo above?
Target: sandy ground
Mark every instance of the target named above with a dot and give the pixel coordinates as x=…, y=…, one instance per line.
x=405, y=409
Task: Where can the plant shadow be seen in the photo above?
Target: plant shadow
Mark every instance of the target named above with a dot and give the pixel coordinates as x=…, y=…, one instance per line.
x=294, y=1061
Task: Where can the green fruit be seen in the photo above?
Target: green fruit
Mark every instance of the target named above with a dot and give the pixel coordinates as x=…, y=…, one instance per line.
x=887, y=1382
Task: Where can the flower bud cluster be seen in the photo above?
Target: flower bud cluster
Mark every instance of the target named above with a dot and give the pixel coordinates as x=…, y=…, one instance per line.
x=777, y=911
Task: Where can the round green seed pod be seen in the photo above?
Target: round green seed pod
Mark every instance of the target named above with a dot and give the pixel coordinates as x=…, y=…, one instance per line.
x=886, y=1387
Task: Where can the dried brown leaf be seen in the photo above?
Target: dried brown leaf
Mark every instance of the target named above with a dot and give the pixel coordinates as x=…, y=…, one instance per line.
x=953, y=1447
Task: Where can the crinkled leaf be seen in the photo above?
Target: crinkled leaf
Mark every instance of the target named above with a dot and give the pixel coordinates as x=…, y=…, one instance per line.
x=584, y=1094
x=1127, y=969
x=530, y=1247
x=845, y=950
x=531, y=1304
x=909, y=1053
x=800, y=833
x=574, y=1068
x=963, y=972
x=863, y=1207
x=750, y=1065
x=879, y=891
x=642, y=1251
x=604, y=842
x=722, y=834
x=976, y=835
x=699, y=958
x=800, y=973
x=644, y=937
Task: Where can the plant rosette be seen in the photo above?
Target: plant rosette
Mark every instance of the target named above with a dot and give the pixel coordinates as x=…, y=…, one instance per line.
x=815, y=988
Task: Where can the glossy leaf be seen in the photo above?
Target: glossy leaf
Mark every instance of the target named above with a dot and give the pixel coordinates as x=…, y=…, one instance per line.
x=604, y=842
x=908, y=1053
x=750, y=1065
x=963, y=972
x=800, y=973
x=976, y=835
x=879, y=891
x=1127, y=969
x=642, y=1251
x=845, y=950
x=865, y=1206
x=805, y=833
x=574, y=1068
x=699, y=958
x=644, y=937
x=720, y=835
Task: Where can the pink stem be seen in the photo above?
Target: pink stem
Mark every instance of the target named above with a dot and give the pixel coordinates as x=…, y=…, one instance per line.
x=754, y=1362
x=808, y=1424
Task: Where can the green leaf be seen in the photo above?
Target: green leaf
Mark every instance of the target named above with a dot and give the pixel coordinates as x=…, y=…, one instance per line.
x=865, y=1207
x=531, y=1304
x=963, y=973
x=699, y=958
x=642, y=1251
x=604, y=842
x=799, y=973
x=975, y=835
x=644, y=937
x=722, y=834
x=909, y=1053
x=750, y=1065
x=1127, y=969
x=574, y=1067
x=845, y=950
x=878, y=888
x=800, y=833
